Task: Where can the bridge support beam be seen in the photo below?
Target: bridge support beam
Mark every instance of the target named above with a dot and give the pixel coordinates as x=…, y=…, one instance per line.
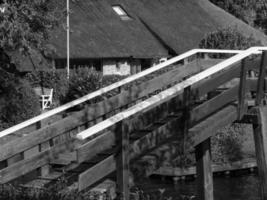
x=122, y=161
x=204, y=171
x=260, y=138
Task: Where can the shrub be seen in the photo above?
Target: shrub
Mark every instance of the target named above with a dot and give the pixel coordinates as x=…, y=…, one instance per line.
x=55, y=79
x=82, y=82
x=17, y=99
x=227, y=145
x=227, y=38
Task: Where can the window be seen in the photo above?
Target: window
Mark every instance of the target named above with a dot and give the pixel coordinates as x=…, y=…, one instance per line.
x=121, y=12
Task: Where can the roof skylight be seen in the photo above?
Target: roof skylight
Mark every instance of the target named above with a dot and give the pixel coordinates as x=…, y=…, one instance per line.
x=121, y=12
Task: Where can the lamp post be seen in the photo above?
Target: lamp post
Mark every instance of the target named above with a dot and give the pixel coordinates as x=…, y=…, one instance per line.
x=68, y=39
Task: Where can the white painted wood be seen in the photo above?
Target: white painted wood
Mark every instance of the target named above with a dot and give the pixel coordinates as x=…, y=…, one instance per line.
x=253, y=50
x=167, y=94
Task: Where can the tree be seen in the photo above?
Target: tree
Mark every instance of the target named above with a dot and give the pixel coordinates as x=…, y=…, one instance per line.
x=25, y=26
x=253, y=12
x=228, y=38
x=18, y=101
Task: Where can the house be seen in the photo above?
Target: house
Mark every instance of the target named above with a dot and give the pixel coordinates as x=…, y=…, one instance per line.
x=126, y=36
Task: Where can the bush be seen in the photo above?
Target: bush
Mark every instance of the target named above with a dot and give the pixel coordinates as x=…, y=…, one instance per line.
x=18, y=101
x=227, y=38
x=8, y=192
x=227, y=145
x=82, y=82
x=55, y=79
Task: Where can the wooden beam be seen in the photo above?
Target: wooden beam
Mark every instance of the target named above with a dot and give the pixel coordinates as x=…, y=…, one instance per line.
x=122, y=161
x=94, y=174
x=213, y=105
x=95, y=146
x=204, y=171
x=260, y=87
x=207, y=128
x=260, y=138
x=38, y=137
x=242, y=90
x=27, y=165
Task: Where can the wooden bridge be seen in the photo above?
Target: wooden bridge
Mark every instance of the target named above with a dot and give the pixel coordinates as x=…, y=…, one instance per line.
x=186, y=98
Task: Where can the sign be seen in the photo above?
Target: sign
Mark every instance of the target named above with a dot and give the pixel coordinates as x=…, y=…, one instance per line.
x=2, y=9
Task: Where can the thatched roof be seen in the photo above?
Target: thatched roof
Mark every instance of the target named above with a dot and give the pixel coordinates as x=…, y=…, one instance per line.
x=181, y=24
x=156, y=29
x=98, y=32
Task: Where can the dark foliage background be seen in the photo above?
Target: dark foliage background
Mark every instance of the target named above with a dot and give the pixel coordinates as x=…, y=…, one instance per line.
x=18, y=101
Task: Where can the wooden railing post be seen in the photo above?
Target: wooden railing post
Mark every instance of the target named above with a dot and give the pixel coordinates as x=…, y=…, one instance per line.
x=242, y=89
x=260, y=86
x=122, y=161
x=204, y=171
x=260, y=129
x=260, y=139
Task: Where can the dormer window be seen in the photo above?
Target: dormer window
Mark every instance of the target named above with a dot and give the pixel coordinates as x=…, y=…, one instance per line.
x=121, y=12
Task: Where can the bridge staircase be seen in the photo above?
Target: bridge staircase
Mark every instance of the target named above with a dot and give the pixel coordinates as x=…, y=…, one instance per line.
x=186, y=98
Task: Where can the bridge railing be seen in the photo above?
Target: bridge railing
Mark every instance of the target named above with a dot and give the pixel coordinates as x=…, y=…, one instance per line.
x=120, y=125
x=113, y=86
x=171, y=92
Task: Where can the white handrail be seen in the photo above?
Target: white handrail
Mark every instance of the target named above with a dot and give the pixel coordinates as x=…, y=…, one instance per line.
x=166, y=94
x=112, y=87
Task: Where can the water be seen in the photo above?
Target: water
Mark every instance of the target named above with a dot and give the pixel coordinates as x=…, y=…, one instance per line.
x=244, y=187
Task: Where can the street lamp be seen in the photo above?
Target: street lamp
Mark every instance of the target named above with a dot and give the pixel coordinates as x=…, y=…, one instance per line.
x=68, y=39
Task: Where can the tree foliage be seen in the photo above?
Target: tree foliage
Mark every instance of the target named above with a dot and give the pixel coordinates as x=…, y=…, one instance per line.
x=25, y=25
x=227, y=38
x=18, y=101
x=253, y=12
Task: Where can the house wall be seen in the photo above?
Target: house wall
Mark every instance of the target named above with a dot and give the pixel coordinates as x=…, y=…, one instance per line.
x=110, y=66
x=121, y=67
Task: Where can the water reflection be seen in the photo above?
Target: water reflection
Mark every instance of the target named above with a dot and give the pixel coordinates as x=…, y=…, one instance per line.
x=244, y=187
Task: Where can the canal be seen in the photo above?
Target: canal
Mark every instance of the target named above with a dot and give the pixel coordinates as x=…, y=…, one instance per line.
x=242, y=187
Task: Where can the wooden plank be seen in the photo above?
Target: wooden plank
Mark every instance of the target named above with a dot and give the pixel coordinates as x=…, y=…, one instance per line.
x=31, y=152
x=207, y=128
x=14, y=159
x=242, y=90
x=122, y=161
x=216, y=80
x=260, y=139
x=95, y=146
x=213, y=105
x=260, y=87
x=21, y=168
x=37, y=137
x=94, y=174
x=156, y=137
x=204, y=171
x=45, y=169
x=27, y=165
